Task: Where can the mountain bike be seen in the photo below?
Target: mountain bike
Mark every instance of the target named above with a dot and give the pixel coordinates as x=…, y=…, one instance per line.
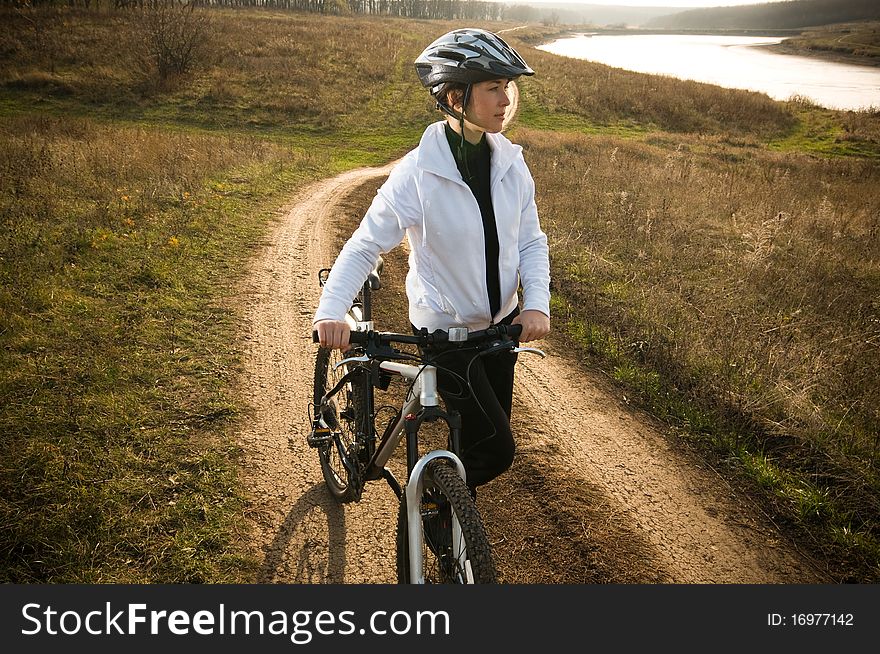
x=441, y=537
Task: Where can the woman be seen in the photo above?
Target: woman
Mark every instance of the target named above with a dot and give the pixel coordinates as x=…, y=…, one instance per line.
x=466, y=201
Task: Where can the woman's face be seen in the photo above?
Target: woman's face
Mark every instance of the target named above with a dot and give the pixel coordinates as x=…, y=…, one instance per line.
x=487, y=107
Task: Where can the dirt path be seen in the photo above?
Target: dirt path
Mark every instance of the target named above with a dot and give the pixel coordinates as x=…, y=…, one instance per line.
x=699, y=530
x=304, y=535
x=597, y=494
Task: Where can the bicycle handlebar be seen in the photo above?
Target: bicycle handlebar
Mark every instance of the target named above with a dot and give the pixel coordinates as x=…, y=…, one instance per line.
x=437, y=337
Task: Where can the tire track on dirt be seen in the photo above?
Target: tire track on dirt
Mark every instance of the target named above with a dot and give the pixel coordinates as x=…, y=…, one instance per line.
x=305, y=536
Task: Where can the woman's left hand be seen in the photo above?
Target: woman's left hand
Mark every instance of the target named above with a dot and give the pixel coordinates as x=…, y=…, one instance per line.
x=535, y=324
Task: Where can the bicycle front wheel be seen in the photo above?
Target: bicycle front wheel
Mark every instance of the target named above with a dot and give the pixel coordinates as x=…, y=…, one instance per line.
x=346, y=416
x=445, y=494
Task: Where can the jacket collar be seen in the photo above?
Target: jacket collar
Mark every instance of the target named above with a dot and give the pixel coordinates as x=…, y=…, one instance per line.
x=435, y=156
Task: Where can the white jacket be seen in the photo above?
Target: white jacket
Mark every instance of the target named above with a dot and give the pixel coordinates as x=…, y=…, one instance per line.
x=425, y=199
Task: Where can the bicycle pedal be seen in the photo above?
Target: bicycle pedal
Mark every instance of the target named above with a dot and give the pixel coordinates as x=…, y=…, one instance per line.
x=319, y=437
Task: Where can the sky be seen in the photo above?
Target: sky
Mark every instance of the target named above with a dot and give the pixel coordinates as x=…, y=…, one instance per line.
x=654, y=3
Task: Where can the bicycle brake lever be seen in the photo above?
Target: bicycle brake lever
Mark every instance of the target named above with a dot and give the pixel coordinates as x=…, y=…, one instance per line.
x=361, y=359
x=529, y=350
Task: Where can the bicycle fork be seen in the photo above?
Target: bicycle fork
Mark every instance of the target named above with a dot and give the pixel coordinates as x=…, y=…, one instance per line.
x=415, y=488
x=415, y=535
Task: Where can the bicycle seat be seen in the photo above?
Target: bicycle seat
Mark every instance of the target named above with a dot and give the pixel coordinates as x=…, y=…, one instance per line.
x=373, y=277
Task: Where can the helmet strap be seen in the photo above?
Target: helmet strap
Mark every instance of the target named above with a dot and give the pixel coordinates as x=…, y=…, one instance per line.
x=464, y=102
x=461, y=155
x=460, y=115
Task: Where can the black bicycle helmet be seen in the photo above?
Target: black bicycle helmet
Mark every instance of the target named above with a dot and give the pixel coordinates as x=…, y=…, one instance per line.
x=468, y=56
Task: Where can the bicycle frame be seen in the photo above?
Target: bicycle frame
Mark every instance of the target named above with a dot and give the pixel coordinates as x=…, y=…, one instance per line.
x=421, y=403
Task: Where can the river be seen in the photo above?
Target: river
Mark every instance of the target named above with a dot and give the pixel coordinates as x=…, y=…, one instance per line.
x=733, y=62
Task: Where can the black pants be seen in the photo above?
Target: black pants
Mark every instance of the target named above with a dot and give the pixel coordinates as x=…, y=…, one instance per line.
x=487, y=445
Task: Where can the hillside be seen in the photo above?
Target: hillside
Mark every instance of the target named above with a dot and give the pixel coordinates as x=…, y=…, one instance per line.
x=792, y=14
x=573, y=13
x=857, y=43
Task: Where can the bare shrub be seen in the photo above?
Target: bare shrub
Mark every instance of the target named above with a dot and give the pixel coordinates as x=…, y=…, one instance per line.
x=862, y=125
x=178, y=38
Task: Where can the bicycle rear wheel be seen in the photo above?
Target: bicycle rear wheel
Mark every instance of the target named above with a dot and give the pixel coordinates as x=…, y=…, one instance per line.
x=445, y=493
x=347, y=418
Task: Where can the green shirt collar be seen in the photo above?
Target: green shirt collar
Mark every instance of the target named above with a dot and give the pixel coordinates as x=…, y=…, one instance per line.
x=468, y=150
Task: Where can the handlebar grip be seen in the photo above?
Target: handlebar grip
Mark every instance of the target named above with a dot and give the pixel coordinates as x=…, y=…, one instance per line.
x=512, y=332
x=358, y=338
x=355, y=338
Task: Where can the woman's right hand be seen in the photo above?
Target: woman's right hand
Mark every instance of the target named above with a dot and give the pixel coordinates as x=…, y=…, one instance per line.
x=333, y=334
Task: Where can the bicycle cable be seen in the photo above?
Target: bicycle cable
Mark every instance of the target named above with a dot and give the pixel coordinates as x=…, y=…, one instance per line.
x=465, y=383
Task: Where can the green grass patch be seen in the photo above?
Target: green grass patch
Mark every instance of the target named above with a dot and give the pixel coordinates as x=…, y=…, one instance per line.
x=827, y=132
x=536, y=117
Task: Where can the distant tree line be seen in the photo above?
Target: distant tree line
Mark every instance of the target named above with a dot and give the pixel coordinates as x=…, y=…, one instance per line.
x=437, y=9
x=774, y=15
x=430, y=9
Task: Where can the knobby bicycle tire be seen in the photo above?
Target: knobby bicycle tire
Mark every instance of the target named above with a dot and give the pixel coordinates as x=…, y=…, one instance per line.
x=443, y=485
x=348, y=420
